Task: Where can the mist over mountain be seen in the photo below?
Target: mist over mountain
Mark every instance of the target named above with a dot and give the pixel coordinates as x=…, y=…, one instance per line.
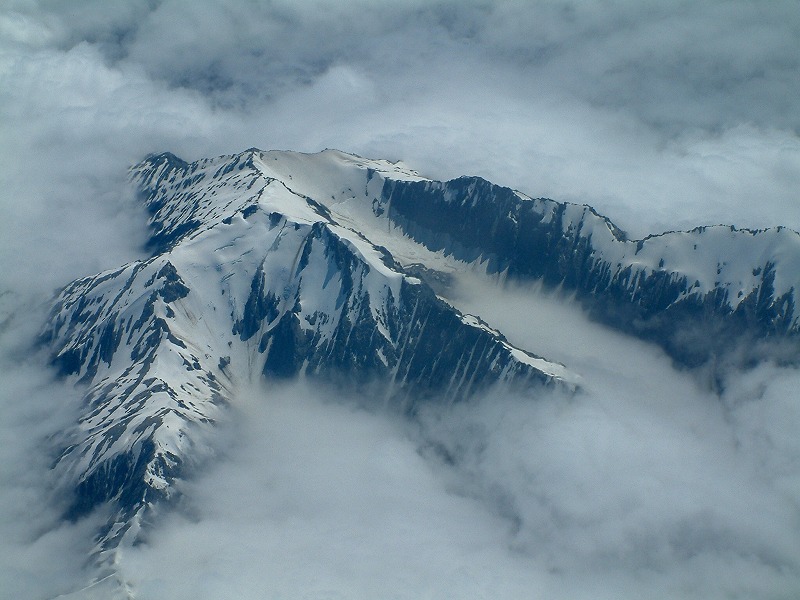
x=550, y=354
x=347, y=275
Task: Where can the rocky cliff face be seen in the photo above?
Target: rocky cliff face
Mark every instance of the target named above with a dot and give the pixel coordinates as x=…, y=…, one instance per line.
x=702, y=294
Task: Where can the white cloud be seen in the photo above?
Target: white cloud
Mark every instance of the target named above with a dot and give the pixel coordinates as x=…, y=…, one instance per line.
x=661, y=115
x=644, y=483
x=321, y=499
x=582, y=103
x=41, y=556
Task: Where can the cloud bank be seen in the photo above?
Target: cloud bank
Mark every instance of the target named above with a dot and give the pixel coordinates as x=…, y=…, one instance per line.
x=662, y=115
x=41, y=556
x=644, y=485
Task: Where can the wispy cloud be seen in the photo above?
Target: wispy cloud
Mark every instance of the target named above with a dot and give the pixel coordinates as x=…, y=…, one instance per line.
x=643, y=484
x=661, y=115
x=41, y=556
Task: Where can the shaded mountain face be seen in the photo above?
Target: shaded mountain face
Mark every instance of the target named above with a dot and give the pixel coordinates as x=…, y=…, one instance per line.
x=700, y=294
x=335, y=268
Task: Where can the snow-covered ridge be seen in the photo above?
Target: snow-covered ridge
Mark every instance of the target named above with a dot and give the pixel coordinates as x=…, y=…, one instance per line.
x=183, y=197
x=700, y=294
x=251, y=276
x=282, y=264
x=708, y=257
x=745, y=280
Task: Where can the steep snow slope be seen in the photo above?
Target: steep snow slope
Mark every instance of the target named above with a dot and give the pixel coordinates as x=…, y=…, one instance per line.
x=710, y=294
x=249, y=278
x=336, y=268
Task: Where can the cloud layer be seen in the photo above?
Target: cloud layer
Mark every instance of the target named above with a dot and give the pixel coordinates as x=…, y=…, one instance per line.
x=40, y=555
x=644, y=484
x=662, y=115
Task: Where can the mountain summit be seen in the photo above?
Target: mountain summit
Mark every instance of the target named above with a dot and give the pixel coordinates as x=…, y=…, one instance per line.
x=335, y=268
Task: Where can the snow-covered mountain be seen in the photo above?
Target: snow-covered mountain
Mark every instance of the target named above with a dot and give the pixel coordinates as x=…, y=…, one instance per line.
x=697, y=293
x=335, y=268
x=252, y=277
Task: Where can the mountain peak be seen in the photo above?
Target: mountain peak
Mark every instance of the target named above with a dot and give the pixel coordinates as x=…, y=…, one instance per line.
x=335, y=268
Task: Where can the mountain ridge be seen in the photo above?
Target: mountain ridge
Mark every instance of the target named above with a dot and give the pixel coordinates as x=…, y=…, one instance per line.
x=334, y=267
x=248, y=279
